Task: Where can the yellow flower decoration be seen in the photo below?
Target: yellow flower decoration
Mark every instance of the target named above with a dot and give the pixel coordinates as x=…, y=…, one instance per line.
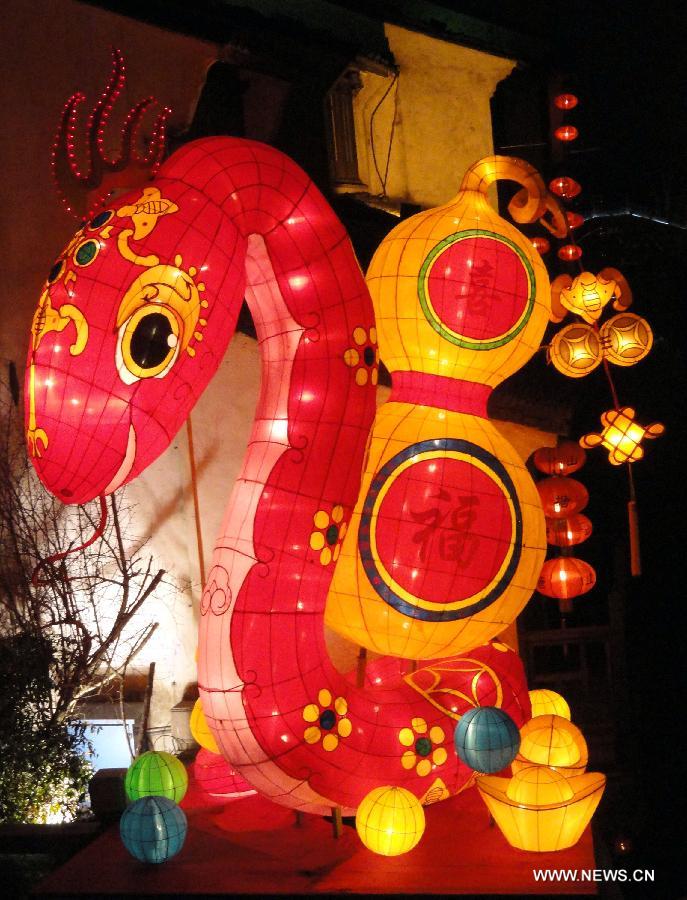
x=363, y=356
x=424, y=751
x=329, y=535
x=329, y=720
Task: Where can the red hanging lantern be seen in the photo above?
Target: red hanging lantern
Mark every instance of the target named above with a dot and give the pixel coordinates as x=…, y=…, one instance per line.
x=561, y=497
x=569, y=252
x=564, y=459
x=566, y=133
x=574, y=219
x=565, y=187
x=569, y=531
x=565, y=101
x=566, y=577
x=541, y=244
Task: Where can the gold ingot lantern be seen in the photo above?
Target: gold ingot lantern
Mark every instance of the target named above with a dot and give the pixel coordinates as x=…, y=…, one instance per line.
x=622, y=436
x=447, y=538
x=552, y=741
x=539, y=809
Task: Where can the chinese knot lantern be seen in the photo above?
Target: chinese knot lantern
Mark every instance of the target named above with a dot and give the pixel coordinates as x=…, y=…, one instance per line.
x=156, y=774
x=153, y=829
x=561, y=497
x=622, y=436
x=566, y=577
x=390, y=821
x=568, y=532
x=564, y=459
x=486, y=739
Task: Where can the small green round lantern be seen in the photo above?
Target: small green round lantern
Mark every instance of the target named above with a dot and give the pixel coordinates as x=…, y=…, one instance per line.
x=156, y=774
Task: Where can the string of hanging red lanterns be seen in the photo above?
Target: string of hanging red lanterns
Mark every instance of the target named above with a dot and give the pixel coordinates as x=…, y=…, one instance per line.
x=564, y=576
x=579, y=348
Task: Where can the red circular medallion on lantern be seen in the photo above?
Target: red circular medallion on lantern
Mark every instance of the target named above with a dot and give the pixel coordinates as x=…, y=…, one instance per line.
x=456, y=538
x=476, y=288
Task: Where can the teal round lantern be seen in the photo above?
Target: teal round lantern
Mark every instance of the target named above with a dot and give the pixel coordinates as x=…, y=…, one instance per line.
x=153, y=829
x=487, y=739
x=156, y=774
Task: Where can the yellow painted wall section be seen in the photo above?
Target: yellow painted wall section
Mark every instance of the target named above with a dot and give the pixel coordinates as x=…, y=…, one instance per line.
x=441, y=107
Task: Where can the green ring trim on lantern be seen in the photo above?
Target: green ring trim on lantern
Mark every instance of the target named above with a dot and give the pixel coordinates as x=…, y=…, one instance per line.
x=381, y=580
x=430, y=313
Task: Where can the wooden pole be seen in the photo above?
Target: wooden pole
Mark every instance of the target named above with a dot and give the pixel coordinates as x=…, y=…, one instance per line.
x=633, y=522
x=362, y=663
x=337, y=821
x=143, y=736
x=196, y=504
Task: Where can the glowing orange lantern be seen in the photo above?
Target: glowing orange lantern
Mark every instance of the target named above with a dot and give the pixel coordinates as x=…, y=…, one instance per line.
x=546, y=702
x=552, y=740
x=561, y=497
x=574, y=219
x=564, y=459
x=568, y=532
x=541, y=244
x=575, y=350
x=565, y=101
x=566, y=577
x=539, y=809
x=626, y=339
x=570, y=252
x=565, y=187
x=566, y=133
x=587, y=295
x=622, y=436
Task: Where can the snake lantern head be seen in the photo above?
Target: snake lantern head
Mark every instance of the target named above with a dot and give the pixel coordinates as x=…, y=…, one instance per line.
x=124, y=338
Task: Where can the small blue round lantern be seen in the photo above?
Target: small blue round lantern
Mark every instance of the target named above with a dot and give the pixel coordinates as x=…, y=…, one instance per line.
x=487, y=739
x=153, y=829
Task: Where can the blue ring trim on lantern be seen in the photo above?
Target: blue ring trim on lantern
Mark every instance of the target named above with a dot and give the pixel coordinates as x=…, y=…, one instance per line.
x=435, y=321
x=385, y=591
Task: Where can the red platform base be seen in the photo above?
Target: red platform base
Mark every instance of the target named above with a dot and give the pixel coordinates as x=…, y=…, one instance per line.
x=251, y=846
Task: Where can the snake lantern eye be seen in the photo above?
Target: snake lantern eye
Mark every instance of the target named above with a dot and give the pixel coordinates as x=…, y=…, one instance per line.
x=56, y=271
x=147, y=343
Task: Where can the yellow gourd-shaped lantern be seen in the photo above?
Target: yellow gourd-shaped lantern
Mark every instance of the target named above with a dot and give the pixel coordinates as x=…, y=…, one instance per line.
x=447, y=538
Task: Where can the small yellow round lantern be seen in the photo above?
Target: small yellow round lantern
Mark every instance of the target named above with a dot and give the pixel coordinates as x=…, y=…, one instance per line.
x=545, y=702
x=390, y=821
x=201, y=730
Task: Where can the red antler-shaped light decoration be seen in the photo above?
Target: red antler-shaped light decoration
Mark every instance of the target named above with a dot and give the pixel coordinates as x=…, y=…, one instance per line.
x=84, y=190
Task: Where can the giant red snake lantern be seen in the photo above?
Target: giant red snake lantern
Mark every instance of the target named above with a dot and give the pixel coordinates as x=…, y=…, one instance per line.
x=131, y=325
